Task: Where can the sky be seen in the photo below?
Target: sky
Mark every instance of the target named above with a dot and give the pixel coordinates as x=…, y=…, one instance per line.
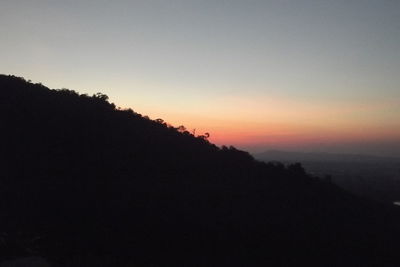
x=303, y=75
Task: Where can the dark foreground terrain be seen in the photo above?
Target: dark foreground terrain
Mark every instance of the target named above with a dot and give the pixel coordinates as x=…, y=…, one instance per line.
x=83, y=183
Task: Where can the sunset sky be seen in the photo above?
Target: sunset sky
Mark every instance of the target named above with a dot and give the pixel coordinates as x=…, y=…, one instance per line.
x=295, y=75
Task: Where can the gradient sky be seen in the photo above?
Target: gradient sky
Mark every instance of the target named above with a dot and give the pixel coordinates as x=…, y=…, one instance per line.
x=295, y=75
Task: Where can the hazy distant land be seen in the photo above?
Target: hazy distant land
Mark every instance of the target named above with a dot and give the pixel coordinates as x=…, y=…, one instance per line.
x=368, y=175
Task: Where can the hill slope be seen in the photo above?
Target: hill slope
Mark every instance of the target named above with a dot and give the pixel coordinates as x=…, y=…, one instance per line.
x=86, y=184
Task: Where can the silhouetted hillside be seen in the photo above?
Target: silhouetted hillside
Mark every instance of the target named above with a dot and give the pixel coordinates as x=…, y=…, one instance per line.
x=86, y=184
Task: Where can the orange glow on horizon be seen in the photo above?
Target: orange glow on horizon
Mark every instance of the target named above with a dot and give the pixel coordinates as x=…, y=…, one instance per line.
x=279, y=122
x=246, y=133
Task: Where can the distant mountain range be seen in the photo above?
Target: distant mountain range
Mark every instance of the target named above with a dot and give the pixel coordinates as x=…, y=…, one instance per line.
x=291, y=156
x=370, y=176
